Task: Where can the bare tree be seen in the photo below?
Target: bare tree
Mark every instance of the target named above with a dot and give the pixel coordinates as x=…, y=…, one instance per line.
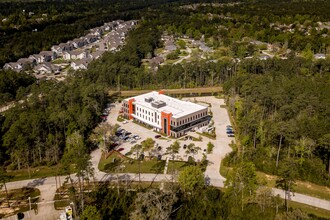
x=154, y=204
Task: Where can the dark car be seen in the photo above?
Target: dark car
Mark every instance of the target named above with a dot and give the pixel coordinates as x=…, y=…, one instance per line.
x=120, y=149
x=159, y=157
x=231, y=135
x=158, y=136
x=112, y=145
x=184, y=146
x=230, y=132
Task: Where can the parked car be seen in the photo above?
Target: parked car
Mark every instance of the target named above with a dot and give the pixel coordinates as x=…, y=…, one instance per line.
x=231, y=135
x=159, y=157
x=120, y=149
x=125, y=122
x=158, y=136
x=133, y=142
x=230, y=132
x=229, y=126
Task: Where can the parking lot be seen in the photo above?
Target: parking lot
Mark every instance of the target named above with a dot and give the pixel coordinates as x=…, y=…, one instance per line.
x=221, y=145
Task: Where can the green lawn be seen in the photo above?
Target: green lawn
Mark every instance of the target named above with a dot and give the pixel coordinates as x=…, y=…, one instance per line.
x=176, y=166
x=120, y=119
x=310, y=209
x=305, y=188
x=211, y=136
x=116, y=162
x=36, y=172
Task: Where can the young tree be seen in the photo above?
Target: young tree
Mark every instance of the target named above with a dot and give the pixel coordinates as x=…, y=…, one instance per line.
x=91, y=213
x=76, y=154
x=138, y=150
x=103, y=135
x=191, y=178
x=173, y=149
x=242, y=183
x=148, y=144
x=210, y=147
x=324, y=143
x=4, y=177
x=286, y=181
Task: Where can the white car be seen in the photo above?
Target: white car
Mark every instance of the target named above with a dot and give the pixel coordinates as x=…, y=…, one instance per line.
x=125, y=122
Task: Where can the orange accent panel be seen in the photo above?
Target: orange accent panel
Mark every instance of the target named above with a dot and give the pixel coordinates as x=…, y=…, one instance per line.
x=168, y=117
x=130, y=108
x=161, y=92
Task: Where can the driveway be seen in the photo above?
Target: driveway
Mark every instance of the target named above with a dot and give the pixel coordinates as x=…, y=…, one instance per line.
x=221, y=144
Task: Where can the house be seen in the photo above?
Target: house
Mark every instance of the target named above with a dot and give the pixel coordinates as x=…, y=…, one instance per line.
x=37, y=58
x=48, y=55
x=20, y=65
x=80, y=64
x=59, y=49
x=155, y=62
x=26, y=62
x=47, y=68
x=169, y=46
x=264, y=57
x=319, y=56
x=97, y=54
x=91, y=38
x=17, y=67
x=114, y=43
x=96, y=32
x=78, y=42
x=74, y=54
x=204, y=48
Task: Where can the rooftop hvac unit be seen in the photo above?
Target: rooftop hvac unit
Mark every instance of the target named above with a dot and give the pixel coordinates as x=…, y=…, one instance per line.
x=158, y=104
x=149, y=99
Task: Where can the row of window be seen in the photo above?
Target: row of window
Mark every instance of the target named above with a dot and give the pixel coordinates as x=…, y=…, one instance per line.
x=146, y=117
x=147, y=113
x=187, y=120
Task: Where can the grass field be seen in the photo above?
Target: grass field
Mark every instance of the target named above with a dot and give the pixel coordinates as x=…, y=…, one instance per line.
x=306, y=188
x=36, y=172
x=310, y=209
x=116, y=162
x=176, y=166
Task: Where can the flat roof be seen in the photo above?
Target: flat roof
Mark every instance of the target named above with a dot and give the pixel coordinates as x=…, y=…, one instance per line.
x=177, y=107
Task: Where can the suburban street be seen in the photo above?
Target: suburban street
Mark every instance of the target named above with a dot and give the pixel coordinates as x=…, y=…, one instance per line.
x=47, y=186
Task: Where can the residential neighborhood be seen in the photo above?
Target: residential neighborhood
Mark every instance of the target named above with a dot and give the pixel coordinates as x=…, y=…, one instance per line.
x=76, y=53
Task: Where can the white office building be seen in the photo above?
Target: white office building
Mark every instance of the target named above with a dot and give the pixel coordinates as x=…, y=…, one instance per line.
x=165, y=114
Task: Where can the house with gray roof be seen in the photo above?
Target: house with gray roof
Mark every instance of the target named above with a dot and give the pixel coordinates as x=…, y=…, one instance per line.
x=80, y=64
x=47, y=68
x=75, y=54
